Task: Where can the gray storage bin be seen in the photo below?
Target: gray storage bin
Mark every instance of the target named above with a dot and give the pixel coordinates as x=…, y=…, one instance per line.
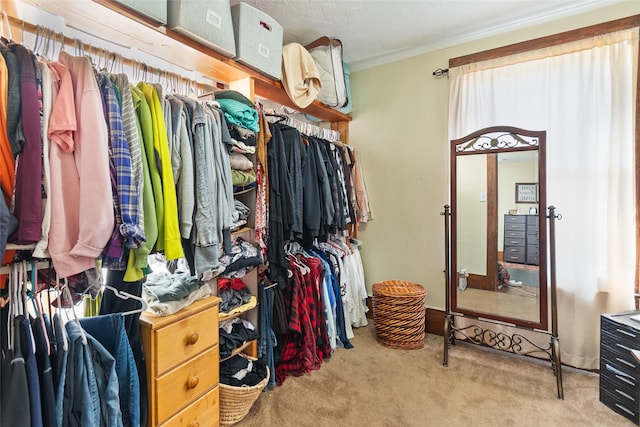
x=258, y=40
x=207, y=22
x=154, y=9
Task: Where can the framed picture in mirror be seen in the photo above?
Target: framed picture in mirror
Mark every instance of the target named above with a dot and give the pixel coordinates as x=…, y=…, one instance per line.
x=526, y=192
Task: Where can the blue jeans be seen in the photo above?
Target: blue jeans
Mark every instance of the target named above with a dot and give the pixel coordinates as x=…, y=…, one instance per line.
x=267, y=337
x=91, y=385
x=109, y=330
x=59, y=364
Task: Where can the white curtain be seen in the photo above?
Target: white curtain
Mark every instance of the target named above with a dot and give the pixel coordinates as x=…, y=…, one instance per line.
x=583, y=94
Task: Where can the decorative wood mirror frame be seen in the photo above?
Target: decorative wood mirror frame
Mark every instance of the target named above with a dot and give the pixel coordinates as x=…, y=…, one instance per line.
x=490, y=142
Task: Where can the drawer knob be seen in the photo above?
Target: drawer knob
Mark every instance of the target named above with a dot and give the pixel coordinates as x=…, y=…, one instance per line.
x=193, y=382
x=194, y=424
x=193, y=338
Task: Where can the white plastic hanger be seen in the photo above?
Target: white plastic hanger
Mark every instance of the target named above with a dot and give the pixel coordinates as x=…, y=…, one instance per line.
x=65, y=289
x=125, y=295
x=6, y=28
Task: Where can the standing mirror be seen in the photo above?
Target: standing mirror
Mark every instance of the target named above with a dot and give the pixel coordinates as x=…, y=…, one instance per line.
x=498, y=227
x=496, y=245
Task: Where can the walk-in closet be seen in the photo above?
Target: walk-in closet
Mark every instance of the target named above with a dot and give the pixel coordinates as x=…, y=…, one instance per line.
x=180, y=232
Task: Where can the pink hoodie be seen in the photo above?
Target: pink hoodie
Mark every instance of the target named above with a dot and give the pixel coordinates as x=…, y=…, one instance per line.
x=82, y=218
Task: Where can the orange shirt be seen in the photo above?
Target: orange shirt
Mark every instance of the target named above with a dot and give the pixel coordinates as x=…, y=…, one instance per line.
x=7, y=162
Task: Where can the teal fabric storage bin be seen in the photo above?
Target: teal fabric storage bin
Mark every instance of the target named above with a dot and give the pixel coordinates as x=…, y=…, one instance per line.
x=208, y=22
x=258, y=40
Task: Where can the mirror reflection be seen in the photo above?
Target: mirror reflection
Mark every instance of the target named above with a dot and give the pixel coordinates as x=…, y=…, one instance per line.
x=497, y=229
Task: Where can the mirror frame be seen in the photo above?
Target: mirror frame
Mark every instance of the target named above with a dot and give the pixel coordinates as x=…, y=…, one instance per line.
x=494, y=140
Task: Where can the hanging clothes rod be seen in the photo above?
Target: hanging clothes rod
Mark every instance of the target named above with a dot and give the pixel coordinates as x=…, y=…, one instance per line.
x=40, y=264
x=105, y=57
x=304, y=127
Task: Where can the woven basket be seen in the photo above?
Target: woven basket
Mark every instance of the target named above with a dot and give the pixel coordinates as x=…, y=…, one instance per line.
x=399, y=314
x=235, y=402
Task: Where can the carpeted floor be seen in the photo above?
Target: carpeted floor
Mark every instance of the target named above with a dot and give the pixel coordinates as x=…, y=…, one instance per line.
x=373, y=386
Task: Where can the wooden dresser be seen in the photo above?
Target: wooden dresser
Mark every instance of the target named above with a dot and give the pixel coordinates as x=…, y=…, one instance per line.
x=619, y=369
x=521, y=240
x=182, y=361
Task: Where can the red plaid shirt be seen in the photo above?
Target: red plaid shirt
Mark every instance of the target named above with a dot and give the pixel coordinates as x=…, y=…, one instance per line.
x=306, y=342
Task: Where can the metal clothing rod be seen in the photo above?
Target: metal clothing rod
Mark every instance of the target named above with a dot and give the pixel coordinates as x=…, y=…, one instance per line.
x=40, y=264
x=45, y=36
x=309, y=129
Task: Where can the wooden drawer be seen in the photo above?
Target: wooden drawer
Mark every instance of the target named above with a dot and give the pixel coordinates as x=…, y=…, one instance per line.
x=532, y=221
x=184, y=339
x=204, y=412
x=186, y=383
x=533, y=259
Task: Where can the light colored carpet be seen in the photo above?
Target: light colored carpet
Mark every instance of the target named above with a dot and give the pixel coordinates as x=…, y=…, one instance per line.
x=371, y=385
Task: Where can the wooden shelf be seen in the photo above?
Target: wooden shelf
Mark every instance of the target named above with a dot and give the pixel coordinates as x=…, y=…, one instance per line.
x=240, y=310
x=117, y=24
x=240, y=349
x=245, y=191
x=241, y=231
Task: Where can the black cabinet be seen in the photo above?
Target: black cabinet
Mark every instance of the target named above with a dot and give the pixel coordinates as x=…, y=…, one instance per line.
x=619, y=370
x=521, y=239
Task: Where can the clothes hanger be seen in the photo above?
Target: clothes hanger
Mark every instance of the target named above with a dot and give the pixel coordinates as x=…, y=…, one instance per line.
x=67, y=292
x=6, y=28
x=121, y=294
x=26, y=292
x=125, y=296
x=37, y=304
x=292, y=249
x=272, y=113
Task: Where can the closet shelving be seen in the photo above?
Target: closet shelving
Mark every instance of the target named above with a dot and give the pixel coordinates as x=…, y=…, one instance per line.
x=141, y=37
x=116, y=23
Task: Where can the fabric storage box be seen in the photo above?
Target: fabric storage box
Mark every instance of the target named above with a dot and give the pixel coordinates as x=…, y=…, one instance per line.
x=207, y=22
x=258, y=40
x=154, y=9
x=327, y=54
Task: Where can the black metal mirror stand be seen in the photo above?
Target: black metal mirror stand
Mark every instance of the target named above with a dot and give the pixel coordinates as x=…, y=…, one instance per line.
x=482, y=335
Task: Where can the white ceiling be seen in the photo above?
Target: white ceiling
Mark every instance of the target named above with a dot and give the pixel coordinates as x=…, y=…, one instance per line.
x=374, y=32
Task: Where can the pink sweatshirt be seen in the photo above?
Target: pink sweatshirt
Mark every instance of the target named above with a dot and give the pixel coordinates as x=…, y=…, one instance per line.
x=82, y=218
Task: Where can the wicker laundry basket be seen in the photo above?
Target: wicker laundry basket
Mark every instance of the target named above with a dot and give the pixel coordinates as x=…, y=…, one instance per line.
x=235, y=402
x=399, y=314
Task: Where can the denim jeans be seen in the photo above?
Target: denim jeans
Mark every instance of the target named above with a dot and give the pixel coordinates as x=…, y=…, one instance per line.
x=267, y=338
x=59, y=363
x=91, y=385
x=112, y=304
x=109, y=331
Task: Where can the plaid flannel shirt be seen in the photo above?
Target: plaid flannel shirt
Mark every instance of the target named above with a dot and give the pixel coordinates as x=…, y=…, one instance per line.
x=127, y=191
